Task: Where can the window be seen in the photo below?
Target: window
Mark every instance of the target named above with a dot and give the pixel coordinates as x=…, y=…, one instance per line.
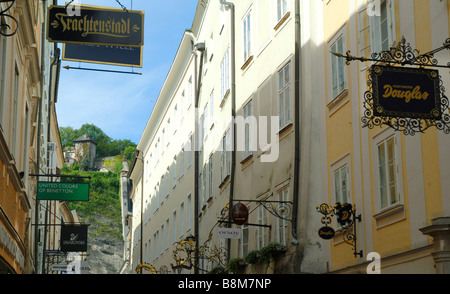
x=174, y=172
x=189, y=148
x=161, y=188
x=167, y=234
x=337, y=67
x=181, y=163
x=189, y=213
x=282, y=9
x=174, y=227
x=190, y=91
x=383, y=26
x=225, y=74
x=225, y=156
x=247, y=33
x=282, y=224
x=243, y=241
x=262, y=231
x=387, y=172
x=249, y=130
x=211, y=110
x=167, y=181
x=182, y=219
x=341, y=188
x=163, y=236
x=155, y=245
x=210, y=177
x=284, y=94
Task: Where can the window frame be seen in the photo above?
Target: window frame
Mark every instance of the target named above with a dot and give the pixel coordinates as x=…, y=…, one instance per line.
x=247, y=36
x=285, y=119
x=383, y=136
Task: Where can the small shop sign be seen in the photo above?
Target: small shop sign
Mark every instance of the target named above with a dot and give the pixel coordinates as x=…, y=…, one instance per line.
x=74, y=238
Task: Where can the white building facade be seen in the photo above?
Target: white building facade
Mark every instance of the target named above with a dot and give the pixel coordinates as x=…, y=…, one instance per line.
x=232, y=125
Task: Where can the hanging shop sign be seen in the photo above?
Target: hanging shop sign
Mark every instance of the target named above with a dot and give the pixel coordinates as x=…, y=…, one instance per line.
x=239, y=214
x=111, y=55
x=406, y=92
x=96, y=25
x=326, y=233
x=62, y=191
x=74, y=238
x=229, y=233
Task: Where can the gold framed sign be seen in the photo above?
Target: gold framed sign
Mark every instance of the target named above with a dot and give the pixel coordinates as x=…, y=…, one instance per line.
x=97, y=26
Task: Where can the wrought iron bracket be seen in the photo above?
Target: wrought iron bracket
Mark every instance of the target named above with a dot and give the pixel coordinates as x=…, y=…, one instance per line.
x=4, y=26
x=346, y=217
x=401, y=54
x=280, y=209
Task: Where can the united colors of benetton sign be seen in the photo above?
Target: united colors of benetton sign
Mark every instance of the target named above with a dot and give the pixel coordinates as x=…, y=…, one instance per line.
x=406, y=92
x=96, y=25
x=62, y=191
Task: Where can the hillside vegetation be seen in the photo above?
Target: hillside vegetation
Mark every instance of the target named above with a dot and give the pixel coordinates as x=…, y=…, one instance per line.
x=103, y=210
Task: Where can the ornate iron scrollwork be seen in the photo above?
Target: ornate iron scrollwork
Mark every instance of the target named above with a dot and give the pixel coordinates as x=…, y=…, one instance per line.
x=402, y=54
x=346, y=217
x=4, y=26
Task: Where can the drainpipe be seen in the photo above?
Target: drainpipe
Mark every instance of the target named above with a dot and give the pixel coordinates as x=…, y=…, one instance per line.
x=197, y=84
x=297, y=110
x=233, y=110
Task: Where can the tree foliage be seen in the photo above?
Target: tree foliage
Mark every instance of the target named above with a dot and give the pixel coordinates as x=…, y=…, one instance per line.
x=106, y=146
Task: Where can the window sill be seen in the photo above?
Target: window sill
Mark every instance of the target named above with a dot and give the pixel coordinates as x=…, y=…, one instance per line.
x=227, y=93
x=285, y=131
x=247, y=63
x=224, y=182
x=390, y=215
x=246, y=161
x=281, y=22
x=337, y=102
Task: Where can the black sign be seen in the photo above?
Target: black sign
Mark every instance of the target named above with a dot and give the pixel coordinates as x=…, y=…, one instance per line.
x=326, y=233
x=239, y=214
x=344, y=212
x=74, y=238
x=406, y=92
x=112, y=55
x=96, y=25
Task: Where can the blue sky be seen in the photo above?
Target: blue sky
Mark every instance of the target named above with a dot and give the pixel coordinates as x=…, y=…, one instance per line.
x=121, y=104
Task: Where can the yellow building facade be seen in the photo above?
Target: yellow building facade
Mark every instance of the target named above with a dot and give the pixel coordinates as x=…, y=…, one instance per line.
x=398, y=183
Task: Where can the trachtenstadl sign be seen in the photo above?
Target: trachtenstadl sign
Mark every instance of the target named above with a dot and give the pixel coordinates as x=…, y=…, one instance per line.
x=96, y=25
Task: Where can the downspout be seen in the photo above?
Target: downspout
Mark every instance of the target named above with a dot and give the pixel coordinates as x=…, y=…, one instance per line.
x=233, y=112
x=297, y=111
x=196, y=165
x=38, y=142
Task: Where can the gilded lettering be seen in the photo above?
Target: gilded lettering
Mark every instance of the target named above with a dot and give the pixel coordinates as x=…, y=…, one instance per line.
x=416, y=93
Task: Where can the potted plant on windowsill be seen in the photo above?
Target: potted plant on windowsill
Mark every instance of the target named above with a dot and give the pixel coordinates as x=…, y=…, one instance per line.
x=235, y=265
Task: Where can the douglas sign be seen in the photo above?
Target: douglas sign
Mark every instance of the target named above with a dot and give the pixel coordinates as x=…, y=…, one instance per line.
x=95, y=25
x=406, y=92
